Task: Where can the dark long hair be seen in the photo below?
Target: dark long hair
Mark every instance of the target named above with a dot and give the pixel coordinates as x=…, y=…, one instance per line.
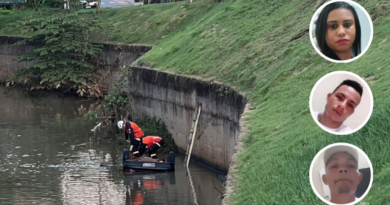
x=321, y=29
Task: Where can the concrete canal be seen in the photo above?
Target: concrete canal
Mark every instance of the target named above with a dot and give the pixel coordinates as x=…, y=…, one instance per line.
x=50, y=156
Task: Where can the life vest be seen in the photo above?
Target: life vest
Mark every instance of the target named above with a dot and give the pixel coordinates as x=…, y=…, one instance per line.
x=139, y=198
x=150, y=140
x=152, y=184
x=137, y=131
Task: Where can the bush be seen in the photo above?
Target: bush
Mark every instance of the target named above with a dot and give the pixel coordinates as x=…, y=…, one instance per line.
x=154, y=127
x=4, y=12
x=67, y=59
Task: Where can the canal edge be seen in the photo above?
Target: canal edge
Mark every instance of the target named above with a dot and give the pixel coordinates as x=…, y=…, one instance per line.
x=232, y=176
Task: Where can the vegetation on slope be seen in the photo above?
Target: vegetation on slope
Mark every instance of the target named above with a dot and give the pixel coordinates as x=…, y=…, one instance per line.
x=246, y=44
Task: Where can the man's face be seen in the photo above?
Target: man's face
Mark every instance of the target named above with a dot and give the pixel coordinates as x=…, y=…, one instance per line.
x=342, y=103
x=342, y=175
x=341, y=31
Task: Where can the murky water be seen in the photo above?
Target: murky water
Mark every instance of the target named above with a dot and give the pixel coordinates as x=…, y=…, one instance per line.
x=48, y=155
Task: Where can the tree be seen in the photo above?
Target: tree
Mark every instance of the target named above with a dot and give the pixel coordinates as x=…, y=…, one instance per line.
x=67, y=58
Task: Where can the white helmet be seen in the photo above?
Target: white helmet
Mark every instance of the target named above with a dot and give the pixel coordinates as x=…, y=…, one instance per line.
x=120, y=124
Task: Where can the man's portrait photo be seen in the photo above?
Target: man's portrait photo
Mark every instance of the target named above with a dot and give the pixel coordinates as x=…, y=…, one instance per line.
x=341, y=173
x=341, y=103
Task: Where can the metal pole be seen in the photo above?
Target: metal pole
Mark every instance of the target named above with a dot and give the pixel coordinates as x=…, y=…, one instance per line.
x=194, y=197
x=194, y=135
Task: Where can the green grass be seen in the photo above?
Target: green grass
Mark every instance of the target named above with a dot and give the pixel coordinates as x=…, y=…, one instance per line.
x=245, y=44
x=8, y=18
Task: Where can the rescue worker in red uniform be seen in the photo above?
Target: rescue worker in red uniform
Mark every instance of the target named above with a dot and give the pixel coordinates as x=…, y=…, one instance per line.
x=132, y=131
x=138, y=199
x=151, y=185
x=153, y=143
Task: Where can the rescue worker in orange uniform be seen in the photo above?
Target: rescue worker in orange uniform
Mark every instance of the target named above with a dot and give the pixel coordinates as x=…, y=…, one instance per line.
x=151, y=185
x=132, y=131
x=139, y=197
x=153, y=143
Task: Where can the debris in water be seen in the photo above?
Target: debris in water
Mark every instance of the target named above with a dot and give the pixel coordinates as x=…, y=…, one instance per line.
x=129, y=170
x=81, y=144
x=17, y=147
x=97, y=126
x=19, y=135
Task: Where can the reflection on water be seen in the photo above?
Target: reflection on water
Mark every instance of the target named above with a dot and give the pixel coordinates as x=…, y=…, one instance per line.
x=48, y=155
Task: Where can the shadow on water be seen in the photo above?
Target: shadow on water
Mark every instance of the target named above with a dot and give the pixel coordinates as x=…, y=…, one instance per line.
x=48, y=155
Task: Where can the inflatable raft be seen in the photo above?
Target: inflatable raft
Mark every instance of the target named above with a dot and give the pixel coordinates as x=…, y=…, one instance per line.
x=146, y=163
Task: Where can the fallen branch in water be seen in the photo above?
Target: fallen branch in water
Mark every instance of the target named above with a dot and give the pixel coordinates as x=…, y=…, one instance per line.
x=97, y=126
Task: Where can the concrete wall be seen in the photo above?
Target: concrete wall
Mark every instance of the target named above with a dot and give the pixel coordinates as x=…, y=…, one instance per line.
x=169, y=97
x=174, y=99
x=8, y=54
x=112, y=54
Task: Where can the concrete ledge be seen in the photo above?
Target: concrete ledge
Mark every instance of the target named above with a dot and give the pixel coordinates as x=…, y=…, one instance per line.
x=173, y=98
x=112, y=54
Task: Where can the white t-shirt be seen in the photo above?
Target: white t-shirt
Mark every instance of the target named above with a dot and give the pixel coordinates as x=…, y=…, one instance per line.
x=356, y=199
x=342, y=128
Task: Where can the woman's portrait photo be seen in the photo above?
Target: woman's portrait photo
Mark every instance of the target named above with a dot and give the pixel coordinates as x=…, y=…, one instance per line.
x=341, y=31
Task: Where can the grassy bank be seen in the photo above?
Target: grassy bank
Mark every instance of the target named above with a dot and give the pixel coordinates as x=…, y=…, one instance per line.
x=246, y=44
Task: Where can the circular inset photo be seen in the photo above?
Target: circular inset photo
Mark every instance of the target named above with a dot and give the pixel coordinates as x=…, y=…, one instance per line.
x=341, y=173
x=341, y=103
x=341, y=31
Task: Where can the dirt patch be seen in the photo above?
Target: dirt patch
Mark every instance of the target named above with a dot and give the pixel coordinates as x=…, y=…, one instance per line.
x=174, y=23
x=295, y=73
x=210, y=31
x=232, y=177
x=319, y=3
x=213, y=90
x=299, y=35
x=371, y=80
x=380, y=10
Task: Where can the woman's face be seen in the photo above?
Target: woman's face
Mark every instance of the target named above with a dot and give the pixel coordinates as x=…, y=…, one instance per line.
x=341, y=30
